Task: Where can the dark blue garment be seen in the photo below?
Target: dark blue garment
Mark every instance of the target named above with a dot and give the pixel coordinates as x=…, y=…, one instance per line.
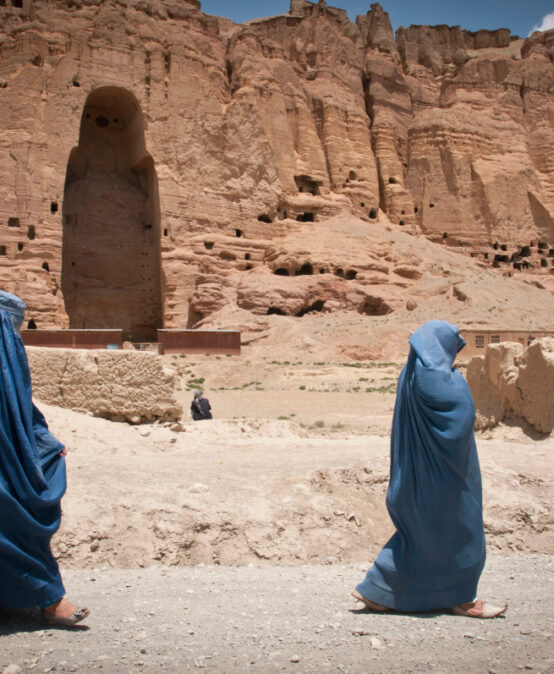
x=200, y=408
x=435, y=558
x=32, y=483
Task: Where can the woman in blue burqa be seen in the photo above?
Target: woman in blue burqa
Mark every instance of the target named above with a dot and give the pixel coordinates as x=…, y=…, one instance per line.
x=32, y=483
x=436, y=556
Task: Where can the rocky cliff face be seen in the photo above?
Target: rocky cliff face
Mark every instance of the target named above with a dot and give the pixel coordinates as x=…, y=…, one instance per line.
x=157, y=164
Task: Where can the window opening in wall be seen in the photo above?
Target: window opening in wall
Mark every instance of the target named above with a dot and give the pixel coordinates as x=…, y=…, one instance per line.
x=208, y=245
x=350, y=274
x=352, y=175
x=544, y=262
x=495, y=245
x=504, y=247
x=238, y=233
x=281, y=271
x=101, y=121
x=31, y=325
x=480, y=341
x=13, y=222
x=339, y=272
x=322, y=271
x=306, y=217
x=20, y=246
x=401, y=222
x=264, y=217
x=76, y=83
x=2, y=250
x=362, y=204
x=166, y=231
x=431, y=205
x=445, y=235
x=416, y=209
x=373, y=213
x=525, y=251
x=495, y=339
x=392, y=180
x=247, y=256
x=46, y=266
x=31, y=233
x=17, y=3
x=53, y=207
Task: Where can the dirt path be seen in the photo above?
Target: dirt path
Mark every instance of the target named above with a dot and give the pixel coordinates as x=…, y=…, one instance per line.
x=282, y=619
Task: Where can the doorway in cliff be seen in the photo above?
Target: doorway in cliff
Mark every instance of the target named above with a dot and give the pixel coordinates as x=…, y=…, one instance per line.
x=111, y=271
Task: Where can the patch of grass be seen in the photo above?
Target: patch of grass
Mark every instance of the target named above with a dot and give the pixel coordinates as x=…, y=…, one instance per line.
x=356, y=388
x=282, y=418
x=319, y=424
x=391, y=388
x=302, y=388
x=363, y=379
x=337, y=426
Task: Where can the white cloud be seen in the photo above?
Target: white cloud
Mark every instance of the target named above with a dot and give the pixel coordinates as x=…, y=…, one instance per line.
x=546, y=24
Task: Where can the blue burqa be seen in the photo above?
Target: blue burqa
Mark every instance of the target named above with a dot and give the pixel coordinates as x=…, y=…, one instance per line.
x=436, y=556
x=32, y=477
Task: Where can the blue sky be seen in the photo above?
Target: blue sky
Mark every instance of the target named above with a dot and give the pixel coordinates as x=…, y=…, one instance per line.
x=520, y=17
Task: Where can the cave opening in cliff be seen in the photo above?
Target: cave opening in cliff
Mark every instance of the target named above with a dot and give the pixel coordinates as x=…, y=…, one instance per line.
x=317, y=306
x=373, y=213
x=306, y=184
x=111, y=222
x=281, y=271
x=305, y=270
x=306, y=217
x=276, y=311
x=374, y=306
x=264, y=217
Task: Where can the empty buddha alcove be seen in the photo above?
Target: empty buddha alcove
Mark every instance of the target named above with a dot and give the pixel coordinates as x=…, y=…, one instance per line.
x=111, y=221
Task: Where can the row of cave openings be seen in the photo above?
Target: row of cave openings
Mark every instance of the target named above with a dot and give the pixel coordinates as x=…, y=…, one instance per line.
x=30, y=235
x=518, y=259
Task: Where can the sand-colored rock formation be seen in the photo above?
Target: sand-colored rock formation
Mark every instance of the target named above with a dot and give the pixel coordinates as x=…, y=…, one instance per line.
x=118, y=385
x=512, y=382
x=151, y=155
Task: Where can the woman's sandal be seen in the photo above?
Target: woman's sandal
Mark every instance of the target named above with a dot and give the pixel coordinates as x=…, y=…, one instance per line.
x=479, y=609
x=374, y=606
x=57, y=621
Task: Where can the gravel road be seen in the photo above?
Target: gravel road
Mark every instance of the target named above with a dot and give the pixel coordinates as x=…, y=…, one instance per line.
x=280, y=619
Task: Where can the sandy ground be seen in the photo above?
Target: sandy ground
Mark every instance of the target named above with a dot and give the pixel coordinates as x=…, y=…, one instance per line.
x=191, y=542
x=281, y=619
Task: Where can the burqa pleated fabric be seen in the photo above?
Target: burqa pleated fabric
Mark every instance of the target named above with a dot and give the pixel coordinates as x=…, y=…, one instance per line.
x=32, y=477
x=435, y=558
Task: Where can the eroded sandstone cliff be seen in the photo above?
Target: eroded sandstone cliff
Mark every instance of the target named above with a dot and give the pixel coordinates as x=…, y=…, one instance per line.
x=157, y=164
